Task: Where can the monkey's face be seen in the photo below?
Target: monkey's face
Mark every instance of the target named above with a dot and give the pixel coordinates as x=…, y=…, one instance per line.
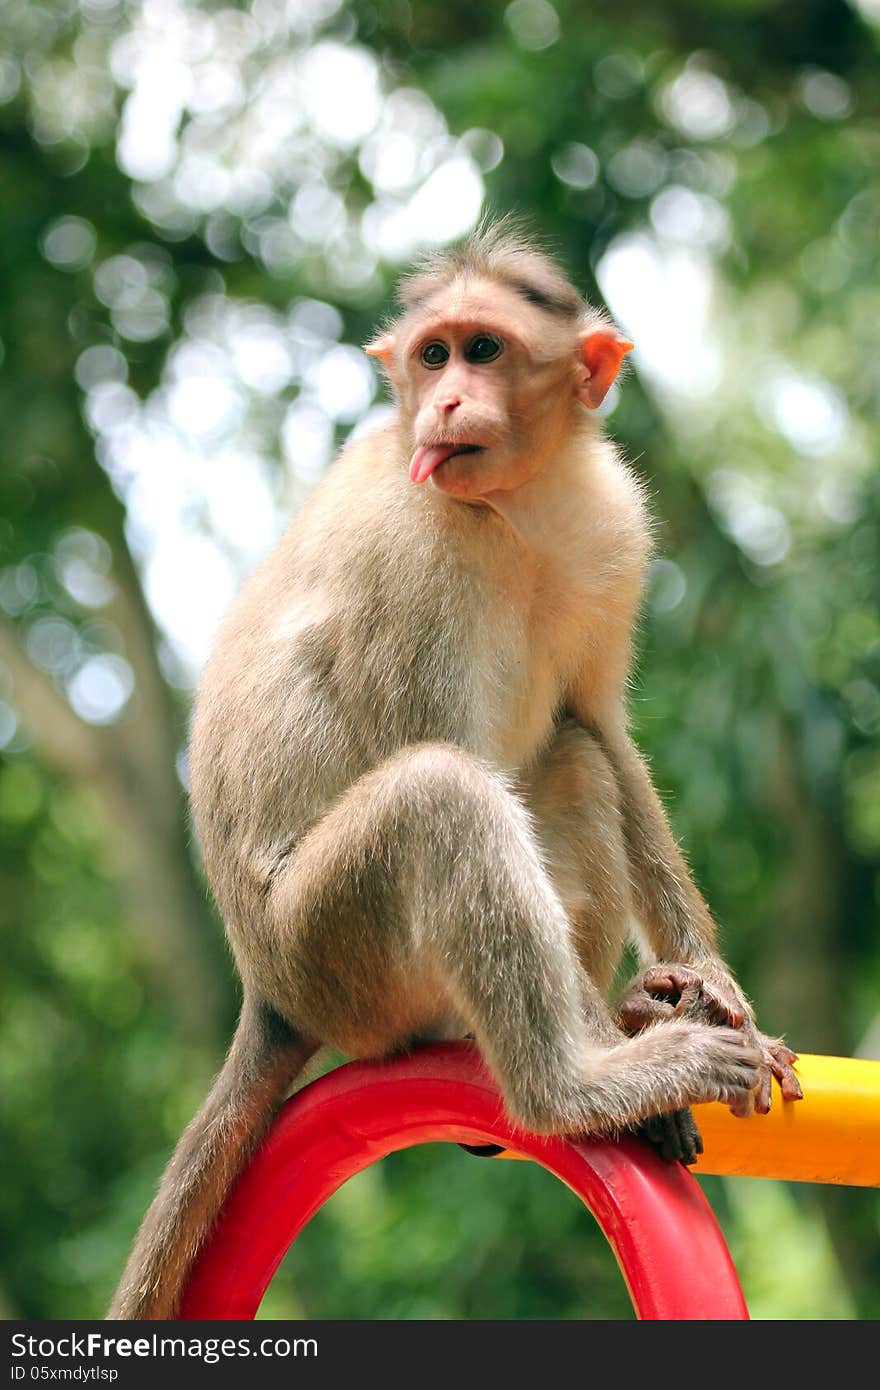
x=484, y=398
x=489, y=380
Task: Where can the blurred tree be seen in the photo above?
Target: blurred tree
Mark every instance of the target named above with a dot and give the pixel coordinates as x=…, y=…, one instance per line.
x=204, y=207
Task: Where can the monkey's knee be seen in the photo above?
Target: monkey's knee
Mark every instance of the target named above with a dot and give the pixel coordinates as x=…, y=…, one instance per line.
x=443, y=797
x=442, y=773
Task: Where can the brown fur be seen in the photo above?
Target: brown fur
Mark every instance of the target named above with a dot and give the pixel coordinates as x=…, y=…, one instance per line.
x=419, y=807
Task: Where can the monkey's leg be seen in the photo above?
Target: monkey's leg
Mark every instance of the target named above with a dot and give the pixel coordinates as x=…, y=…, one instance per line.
x=423, y=887
x=574, y=798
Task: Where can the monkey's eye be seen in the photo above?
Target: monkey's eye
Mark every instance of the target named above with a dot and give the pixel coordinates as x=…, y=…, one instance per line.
x=484, y=348
x=435, y=354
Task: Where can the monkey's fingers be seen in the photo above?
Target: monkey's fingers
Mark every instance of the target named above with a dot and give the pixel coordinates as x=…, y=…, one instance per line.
x=694, y=1005
x=639, y=1010
x=694, y=995
x=664, y=995
x=668, y=981
x=660, y=992
x=722, y=1006
x=672, y=990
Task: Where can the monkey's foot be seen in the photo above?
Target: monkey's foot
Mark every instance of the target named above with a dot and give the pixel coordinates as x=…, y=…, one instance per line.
x=779, y=1061
x=675, y=1136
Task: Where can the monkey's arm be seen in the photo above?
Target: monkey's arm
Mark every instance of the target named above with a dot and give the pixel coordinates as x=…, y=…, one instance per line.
x=678, y=925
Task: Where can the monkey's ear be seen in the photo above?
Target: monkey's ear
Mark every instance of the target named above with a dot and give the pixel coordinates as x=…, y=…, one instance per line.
x=383, y=348
x=599, y=357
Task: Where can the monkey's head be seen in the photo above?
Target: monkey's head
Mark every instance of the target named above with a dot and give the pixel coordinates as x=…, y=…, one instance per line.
x=493, y=355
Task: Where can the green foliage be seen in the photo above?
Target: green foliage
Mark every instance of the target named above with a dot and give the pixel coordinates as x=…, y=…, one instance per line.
x=738, y=139
x=436, y=1233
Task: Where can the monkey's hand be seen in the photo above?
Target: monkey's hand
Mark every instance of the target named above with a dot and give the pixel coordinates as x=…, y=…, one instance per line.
x=675, y=1136
x=679, y=991
x=711, y=997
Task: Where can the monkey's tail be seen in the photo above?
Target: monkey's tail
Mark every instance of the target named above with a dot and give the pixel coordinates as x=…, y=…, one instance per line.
x=265, y=1056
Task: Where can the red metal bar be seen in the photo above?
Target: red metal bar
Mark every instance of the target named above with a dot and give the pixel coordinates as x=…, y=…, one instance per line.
x=659, y=1225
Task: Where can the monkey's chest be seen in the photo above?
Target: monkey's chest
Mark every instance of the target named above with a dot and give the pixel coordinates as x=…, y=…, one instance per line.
x=527, y=654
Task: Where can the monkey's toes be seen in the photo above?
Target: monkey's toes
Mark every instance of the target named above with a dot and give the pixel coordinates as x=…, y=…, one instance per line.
x=780, y=1059
x=776, y=1060
x=736, y=1067
x=675, y=1136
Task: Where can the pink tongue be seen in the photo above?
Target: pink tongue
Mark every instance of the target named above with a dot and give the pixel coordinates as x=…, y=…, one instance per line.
x=426, y=459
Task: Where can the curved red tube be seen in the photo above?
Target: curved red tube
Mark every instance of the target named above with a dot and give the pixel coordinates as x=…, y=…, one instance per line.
x=666, y=1239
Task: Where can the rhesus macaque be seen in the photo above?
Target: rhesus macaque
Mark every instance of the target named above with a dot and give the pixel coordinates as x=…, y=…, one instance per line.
x=421, y=812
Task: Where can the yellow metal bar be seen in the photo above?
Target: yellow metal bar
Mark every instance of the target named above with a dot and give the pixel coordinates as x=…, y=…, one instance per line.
x=832, y=1135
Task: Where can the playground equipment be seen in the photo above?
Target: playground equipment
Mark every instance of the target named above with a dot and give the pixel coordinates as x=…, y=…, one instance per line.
x=653, y=1214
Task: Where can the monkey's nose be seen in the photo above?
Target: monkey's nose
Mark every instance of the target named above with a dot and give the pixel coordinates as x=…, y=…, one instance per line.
x=448, y=404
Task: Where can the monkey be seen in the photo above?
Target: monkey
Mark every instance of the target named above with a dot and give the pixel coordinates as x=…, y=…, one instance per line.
x=421, y=812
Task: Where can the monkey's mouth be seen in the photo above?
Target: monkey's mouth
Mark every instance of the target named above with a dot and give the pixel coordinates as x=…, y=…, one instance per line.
x=428, y=457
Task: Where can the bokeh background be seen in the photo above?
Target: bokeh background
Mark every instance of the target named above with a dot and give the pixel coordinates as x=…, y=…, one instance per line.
x=203, y=207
